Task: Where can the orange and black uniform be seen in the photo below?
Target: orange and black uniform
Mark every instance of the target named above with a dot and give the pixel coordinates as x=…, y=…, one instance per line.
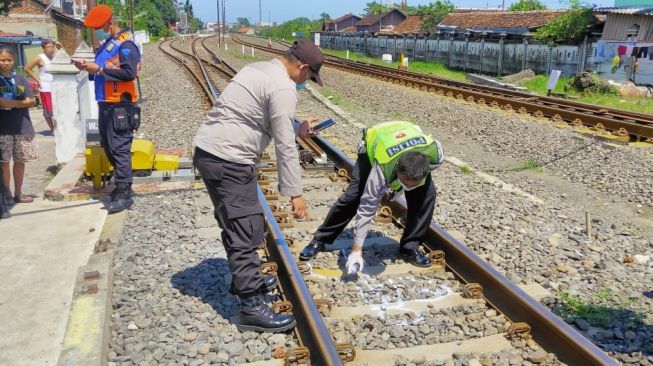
x=116, y=93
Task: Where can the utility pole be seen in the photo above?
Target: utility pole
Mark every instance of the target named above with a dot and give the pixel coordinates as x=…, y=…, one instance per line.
x=224, y=17
x=260, y=19
x=130, y=13
x=218, y=23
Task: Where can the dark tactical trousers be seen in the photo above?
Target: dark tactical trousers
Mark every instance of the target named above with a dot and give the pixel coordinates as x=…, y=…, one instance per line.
x=232, y=188
x=116, y=144
x=420, y=201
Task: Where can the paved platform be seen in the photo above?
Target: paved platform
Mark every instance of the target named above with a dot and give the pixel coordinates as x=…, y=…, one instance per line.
x=42, y=247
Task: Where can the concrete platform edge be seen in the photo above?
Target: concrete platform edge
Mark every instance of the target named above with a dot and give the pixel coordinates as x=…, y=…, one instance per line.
x=86, y=340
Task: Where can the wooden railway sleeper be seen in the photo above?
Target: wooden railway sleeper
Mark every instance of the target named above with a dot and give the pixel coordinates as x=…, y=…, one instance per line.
x=346, y=351
x=472, y=291
x=269, y=268
x=519, y=330
x=282, y=307
x=384, y=216
x=297, y=356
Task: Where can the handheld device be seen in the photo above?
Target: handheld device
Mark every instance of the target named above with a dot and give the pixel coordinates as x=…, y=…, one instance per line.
x=323, y=125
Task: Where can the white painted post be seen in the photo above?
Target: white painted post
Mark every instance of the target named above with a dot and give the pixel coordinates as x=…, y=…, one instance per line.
x=347, y=54
x=226, y=47
x=70, y=132
x=252, y=51
x=243, y=49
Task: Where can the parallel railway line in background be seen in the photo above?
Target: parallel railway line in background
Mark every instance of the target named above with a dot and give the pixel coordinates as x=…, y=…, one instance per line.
x=477, y=279
x=636, y=126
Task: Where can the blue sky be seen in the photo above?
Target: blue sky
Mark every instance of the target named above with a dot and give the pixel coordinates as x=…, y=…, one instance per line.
x=282, y=10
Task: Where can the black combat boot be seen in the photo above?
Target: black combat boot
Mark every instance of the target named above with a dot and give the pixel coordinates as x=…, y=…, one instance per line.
x=121, y=198
x=311, y=250
x=270, y=283
x=257, y=316
x=415, y=257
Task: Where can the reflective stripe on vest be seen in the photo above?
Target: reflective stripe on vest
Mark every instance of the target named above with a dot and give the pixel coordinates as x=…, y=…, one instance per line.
x=385, y=142
x=107, y=89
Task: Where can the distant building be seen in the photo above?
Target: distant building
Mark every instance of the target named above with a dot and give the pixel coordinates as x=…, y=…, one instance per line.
x=509, y=23
x=246, y=30
x=56, y=23
x=382, y=22
x=339, y=25
x=413, y=24
x=628, y=23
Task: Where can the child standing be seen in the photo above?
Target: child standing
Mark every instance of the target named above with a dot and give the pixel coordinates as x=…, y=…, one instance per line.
x=16, y=129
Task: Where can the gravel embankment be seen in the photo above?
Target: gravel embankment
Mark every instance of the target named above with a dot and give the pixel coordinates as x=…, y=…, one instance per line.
x=527, y=241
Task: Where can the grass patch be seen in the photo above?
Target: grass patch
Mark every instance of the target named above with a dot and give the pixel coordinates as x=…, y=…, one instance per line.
x=605, y=309
x=335, y=97
x=531, y=165
x=421, y=67
x=465, y=169
x=640, y=105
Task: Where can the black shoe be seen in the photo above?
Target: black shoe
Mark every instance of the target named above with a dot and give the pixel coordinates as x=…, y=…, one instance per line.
x=256, y=316
x=415, y=257
x=311, y=250
x=121, y=198
x=270, y=283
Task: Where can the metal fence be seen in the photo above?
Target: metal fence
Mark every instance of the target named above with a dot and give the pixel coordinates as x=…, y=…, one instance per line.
x=491, y=57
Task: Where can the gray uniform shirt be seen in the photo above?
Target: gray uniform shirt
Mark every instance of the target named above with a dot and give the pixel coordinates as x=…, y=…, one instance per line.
x=258, y=104
x=375, y=188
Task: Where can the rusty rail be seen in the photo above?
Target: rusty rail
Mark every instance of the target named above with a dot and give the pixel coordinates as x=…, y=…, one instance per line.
x=548, y=330
x=619, y=122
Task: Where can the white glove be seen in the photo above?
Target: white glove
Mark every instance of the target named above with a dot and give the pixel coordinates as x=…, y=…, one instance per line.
x=355, y=262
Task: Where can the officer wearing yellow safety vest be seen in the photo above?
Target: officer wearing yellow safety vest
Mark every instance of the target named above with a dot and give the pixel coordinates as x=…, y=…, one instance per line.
x=116, y=65
x=393, y=157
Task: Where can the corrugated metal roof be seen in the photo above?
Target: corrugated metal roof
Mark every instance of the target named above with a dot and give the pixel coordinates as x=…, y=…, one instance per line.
x=642, y=10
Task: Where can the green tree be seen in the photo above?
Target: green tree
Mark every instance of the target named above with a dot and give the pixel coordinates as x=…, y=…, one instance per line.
x=6, y=5
x=286, y=29
x=434, y=12
x=325, y=16
x=568, y=28
x=375, y=8
x=148, y=17
x=527, y=5
x=243, y=22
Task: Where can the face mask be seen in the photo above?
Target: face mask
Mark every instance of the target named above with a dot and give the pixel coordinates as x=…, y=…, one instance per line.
x=300, y=86
x=101, y=34
x=407, y=189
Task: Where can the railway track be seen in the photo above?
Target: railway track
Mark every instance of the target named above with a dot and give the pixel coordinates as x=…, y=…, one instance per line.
x=635, y=126
x=397, y=311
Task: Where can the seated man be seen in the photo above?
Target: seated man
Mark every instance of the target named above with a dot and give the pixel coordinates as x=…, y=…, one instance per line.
x=392, y=157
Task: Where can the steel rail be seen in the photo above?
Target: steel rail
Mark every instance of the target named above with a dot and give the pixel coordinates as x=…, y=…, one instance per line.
x=545, y=100
x=180, y=61
x=214, y=92
x=548, y=330
x=312, y=329
x=620, y=122
x=231, y=71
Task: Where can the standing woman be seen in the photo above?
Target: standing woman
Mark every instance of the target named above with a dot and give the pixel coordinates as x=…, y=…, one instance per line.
x=44, y=79
x=16, y=129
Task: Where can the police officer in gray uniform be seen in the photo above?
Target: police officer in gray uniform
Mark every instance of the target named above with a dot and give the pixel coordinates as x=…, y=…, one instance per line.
x=257, y=106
